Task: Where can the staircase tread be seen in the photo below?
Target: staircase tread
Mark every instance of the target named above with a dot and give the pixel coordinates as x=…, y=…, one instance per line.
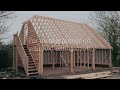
x=33, y=73
x=32, y=69
x=31, y=64
x=27, y=52
x=30, y=56
x=26, y=49
x=31, y=61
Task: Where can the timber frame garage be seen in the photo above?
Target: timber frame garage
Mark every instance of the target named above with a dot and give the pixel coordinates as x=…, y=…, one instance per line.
x=46, y=41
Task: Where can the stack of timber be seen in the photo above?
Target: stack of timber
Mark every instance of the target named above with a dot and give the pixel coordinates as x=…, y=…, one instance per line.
x=116, y=69
x=90, y=75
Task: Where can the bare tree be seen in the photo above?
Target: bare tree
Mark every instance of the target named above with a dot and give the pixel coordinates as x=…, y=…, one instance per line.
x=108, y=24
x=5, y=16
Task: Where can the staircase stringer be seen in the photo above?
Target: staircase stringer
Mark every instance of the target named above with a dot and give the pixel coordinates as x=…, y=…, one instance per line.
x=21, y=52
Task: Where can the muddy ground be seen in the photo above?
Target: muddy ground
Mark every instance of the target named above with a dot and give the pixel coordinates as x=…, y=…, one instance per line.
x=8, y=73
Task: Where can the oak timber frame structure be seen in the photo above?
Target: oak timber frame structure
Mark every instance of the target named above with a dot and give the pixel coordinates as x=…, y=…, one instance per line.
x=52, y=41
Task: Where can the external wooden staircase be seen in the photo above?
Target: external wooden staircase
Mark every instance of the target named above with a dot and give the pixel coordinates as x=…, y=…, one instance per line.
x=32, y=69
x=26, y=58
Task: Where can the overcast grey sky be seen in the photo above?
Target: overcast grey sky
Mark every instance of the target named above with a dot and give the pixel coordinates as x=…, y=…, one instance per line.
x=77, y=16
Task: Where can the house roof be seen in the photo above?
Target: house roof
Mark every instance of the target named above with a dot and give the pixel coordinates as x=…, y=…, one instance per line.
x=65, y=34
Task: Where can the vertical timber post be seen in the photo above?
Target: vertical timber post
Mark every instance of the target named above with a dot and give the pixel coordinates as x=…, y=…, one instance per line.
x=77, y=58
x=68, y=57
x=15, y=62
x=48, y=56
x=88, y=58
x=102, y=56
x=60, y=58
x=71, y=61
x=40, y=60
x=16, y=58
x=53, y=66
x=93, y=60
x=110, y=61
x=80, y=58
x=13, y=52
x=99, y=56
x=84, y=59
x=105, y=57
x=73, y=58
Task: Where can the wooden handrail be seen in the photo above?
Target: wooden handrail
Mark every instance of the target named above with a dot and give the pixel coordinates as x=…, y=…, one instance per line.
x=22, y=54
